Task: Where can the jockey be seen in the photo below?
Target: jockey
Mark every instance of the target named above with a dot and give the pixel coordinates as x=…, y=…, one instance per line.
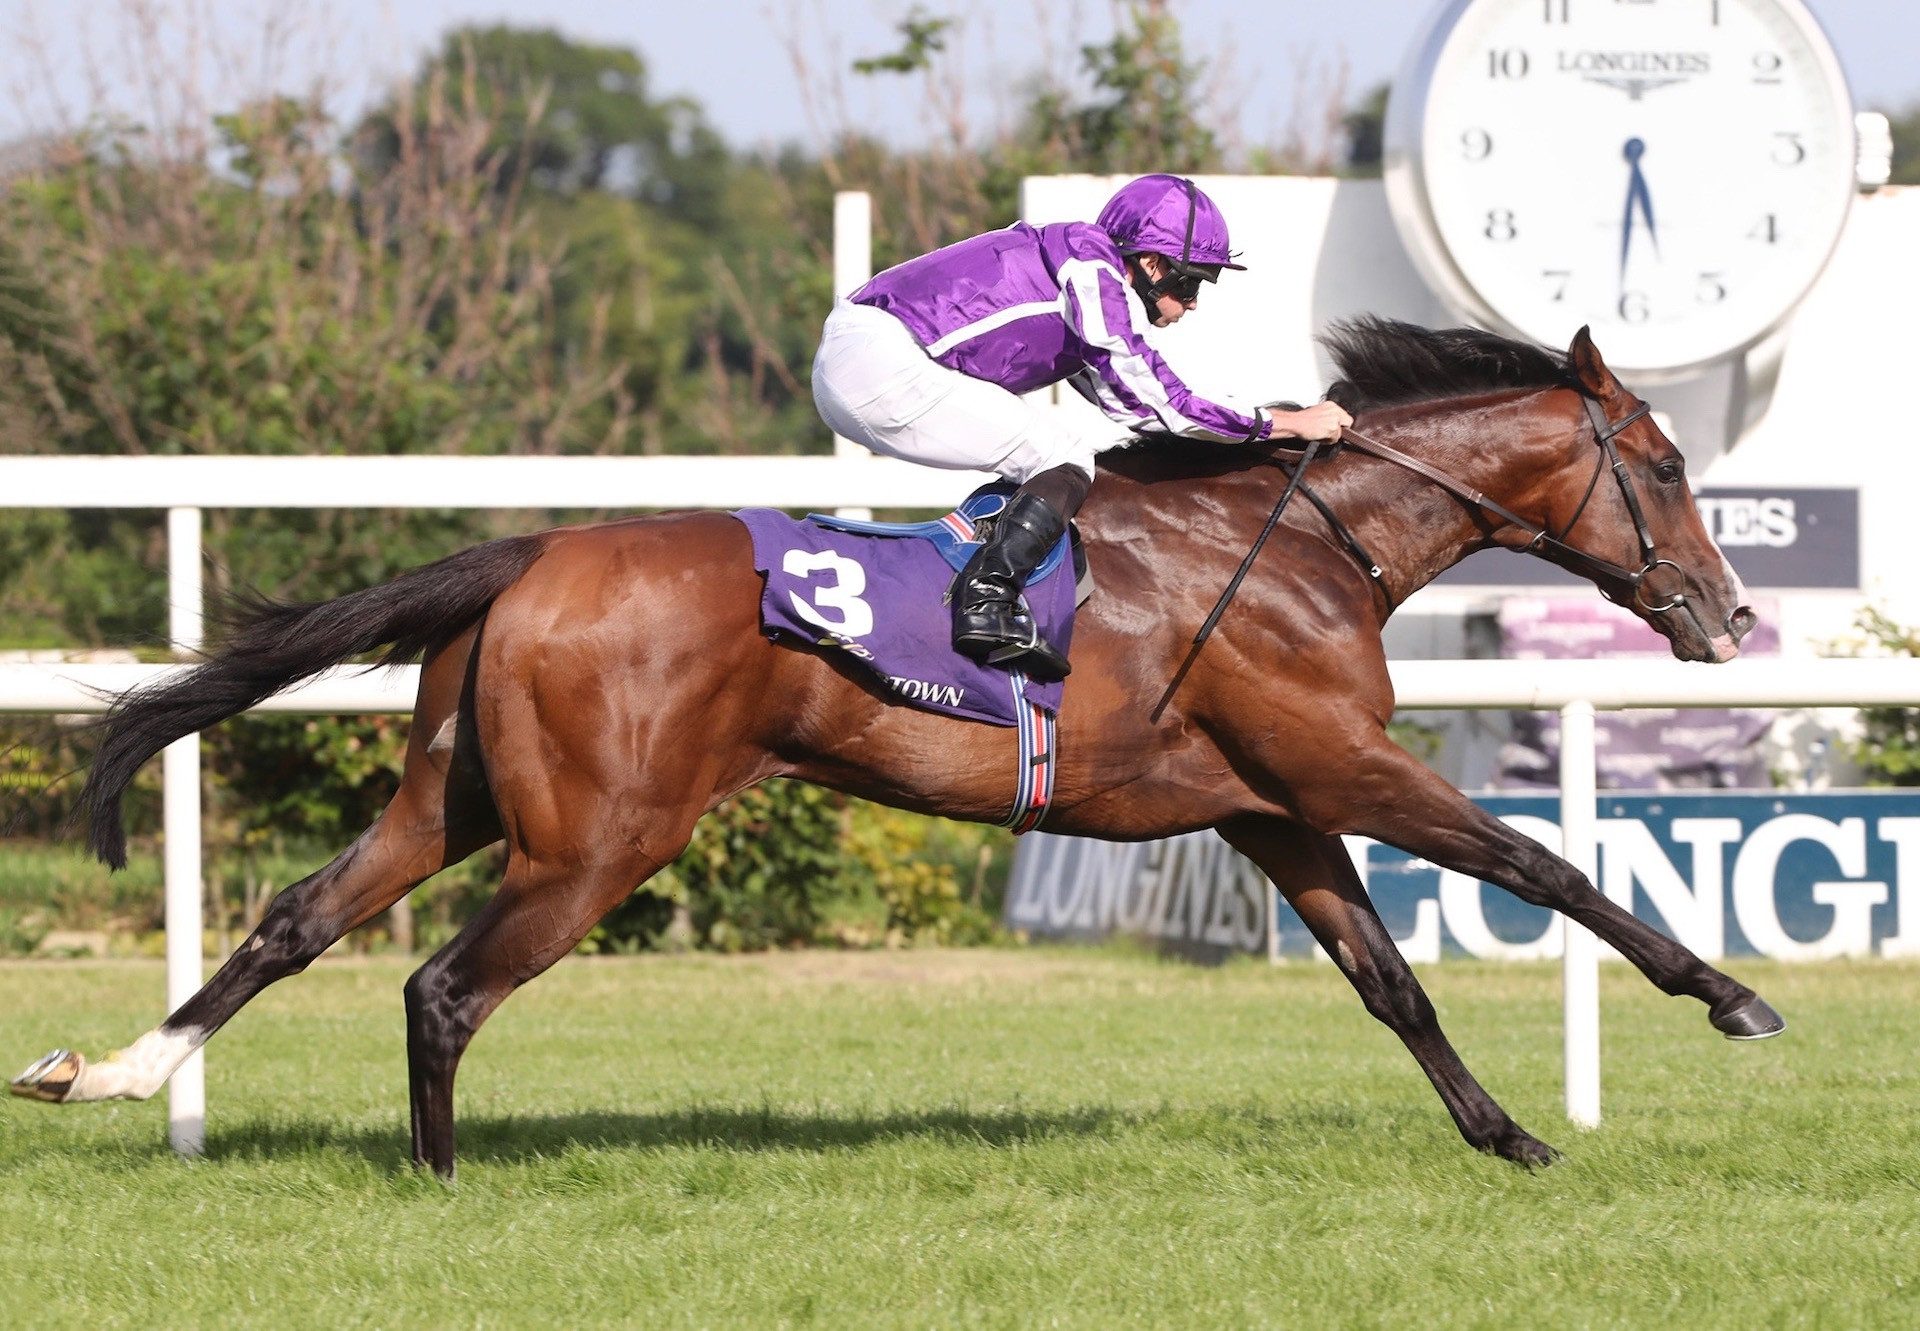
x=927, y=361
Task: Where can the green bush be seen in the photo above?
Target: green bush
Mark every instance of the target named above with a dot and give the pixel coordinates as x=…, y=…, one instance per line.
x=65, y=887
x=786, y=864
x=1888, y=750
x=929, y=874
x=21, y=932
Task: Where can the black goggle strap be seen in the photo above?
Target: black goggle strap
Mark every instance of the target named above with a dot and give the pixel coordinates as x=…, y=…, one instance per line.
x=1193, y=209
x=1145, y=287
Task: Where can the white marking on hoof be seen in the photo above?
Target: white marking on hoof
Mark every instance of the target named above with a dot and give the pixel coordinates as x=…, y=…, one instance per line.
x=50, y=1077
x=136, y=1072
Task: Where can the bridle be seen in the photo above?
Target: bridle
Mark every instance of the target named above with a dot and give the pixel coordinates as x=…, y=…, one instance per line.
x=1542, y=540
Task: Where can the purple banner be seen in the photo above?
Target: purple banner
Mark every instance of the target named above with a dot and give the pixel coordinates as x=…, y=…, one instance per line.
x=1666, y=749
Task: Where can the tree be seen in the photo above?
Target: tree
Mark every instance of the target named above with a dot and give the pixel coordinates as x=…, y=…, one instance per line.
x=685, y=263
x=1366, y=127
x=1144, y=116
x=583, y=118
x=1906, y=145
x=236, y=297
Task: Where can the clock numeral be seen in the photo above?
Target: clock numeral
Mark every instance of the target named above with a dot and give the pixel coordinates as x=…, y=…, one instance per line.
x=1555, y=11
x=1787, y=148
x=1766, y=66
x=1766, y=230
x=1560, y=277
x=1500, y=224
x=1712, y=290
x=1475, y=144
x=1511, y=63
x=1633, y=307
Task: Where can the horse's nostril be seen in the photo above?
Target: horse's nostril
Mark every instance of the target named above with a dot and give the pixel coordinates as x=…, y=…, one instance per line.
x=1740, y=623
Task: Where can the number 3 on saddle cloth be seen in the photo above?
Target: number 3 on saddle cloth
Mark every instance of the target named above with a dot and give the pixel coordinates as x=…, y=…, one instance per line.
x=877, y=591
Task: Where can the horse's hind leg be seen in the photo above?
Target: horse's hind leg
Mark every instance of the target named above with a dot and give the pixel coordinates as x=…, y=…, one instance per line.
x=440, y=815
x=1320, y=883
x=542, y=911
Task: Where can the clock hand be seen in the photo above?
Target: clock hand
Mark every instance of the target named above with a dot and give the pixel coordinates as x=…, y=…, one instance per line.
x=1637, y=194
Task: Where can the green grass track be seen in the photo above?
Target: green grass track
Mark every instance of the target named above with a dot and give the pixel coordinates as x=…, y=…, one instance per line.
x=991, y=1138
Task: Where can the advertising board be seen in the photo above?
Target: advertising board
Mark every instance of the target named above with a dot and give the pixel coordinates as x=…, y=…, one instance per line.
x=1777, y=539
x=1795, y=877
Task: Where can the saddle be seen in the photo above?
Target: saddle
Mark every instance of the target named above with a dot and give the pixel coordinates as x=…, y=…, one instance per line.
x=877, y=591
x=958, y=534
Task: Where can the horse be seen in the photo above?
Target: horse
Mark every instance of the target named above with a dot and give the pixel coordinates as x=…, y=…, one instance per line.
x=587, y=693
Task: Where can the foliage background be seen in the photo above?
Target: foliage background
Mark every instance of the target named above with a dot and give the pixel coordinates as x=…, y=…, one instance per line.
x=522, y=249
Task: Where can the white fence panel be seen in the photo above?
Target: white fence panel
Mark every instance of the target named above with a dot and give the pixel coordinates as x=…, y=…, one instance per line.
x=186, y=485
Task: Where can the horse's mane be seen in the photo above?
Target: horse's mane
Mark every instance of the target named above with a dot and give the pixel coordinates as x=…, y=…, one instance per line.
x=1380, y=363
x=1384, y=363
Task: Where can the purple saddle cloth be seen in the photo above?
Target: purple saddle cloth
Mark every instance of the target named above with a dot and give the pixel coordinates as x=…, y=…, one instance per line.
x=877, y=591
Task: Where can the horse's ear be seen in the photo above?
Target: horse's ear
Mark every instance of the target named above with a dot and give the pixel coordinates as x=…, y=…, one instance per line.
x=1584, y=359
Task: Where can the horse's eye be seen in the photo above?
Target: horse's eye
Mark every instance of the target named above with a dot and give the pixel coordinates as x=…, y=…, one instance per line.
x=1671, y=470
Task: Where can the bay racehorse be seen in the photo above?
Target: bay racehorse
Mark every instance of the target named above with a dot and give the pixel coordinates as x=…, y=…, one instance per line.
x=588, y=693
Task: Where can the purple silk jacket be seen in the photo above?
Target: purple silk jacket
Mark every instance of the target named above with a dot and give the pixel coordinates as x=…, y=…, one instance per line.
x=1030, y=306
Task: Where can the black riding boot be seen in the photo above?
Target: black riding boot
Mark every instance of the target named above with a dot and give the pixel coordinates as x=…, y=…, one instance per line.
x=989, y=623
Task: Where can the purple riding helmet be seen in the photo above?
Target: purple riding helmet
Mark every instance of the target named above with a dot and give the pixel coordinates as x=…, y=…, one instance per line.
x=1171, y=217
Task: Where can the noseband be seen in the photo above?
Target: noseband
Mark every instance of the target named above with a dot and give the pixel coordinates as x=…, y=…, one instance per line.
x=1544, y=541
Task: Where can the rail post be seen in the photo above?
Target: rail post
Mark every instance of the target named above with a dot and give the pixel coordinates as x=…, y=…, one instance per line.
x=180, y=784
x=1580, y=981
x=852, y=266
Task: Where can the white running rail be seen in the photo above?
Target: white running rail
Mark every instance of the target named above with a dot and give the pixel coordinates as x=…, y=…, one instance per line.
x=185, y=486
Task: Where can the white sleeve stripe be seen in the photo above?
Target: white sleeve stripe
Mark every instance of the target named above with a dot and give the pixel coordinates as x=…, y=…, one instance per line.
x=1083, y=279
x=998, y=319
x=1101, y=394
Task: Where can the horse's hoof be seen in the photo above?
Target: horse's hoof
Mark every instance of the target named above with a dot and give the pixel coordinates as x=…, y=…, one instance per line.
x=51, y=1078
x=1754, y=1019
x=1523, y=1149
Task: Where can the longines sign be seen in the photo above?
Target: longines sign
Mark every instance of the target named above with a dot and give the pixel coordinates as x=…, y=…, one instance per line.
x=1777, y=538
x=1787, y=876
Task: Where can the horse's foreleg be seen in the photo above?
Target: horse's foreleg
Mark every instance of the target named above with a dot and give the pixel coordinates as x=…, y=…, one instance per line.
x=542, y=911
x=1405, y=804
x=1319, y=881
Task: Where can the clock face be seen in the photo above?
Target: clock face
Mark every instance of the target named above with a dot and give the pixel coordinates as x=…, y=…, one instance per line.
x=1673, y=172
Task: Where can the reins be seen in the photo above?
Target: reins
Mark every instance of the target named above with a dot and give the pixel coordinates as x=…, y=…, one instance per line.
x=1239, y=575
x=1541, y=539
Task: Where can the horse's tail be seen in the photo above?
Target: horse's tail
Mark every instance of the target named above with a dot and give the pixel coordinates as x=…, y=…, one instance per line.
x=271, y=645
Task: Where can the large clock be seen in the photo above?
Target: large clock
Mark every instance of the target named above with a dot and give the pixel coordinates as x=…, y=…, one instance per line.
x=1674, y=173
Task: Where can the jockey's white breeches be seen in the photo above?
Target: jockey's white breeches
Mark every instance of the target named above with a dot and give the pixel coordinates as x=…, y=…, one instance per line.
x=875, y=385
